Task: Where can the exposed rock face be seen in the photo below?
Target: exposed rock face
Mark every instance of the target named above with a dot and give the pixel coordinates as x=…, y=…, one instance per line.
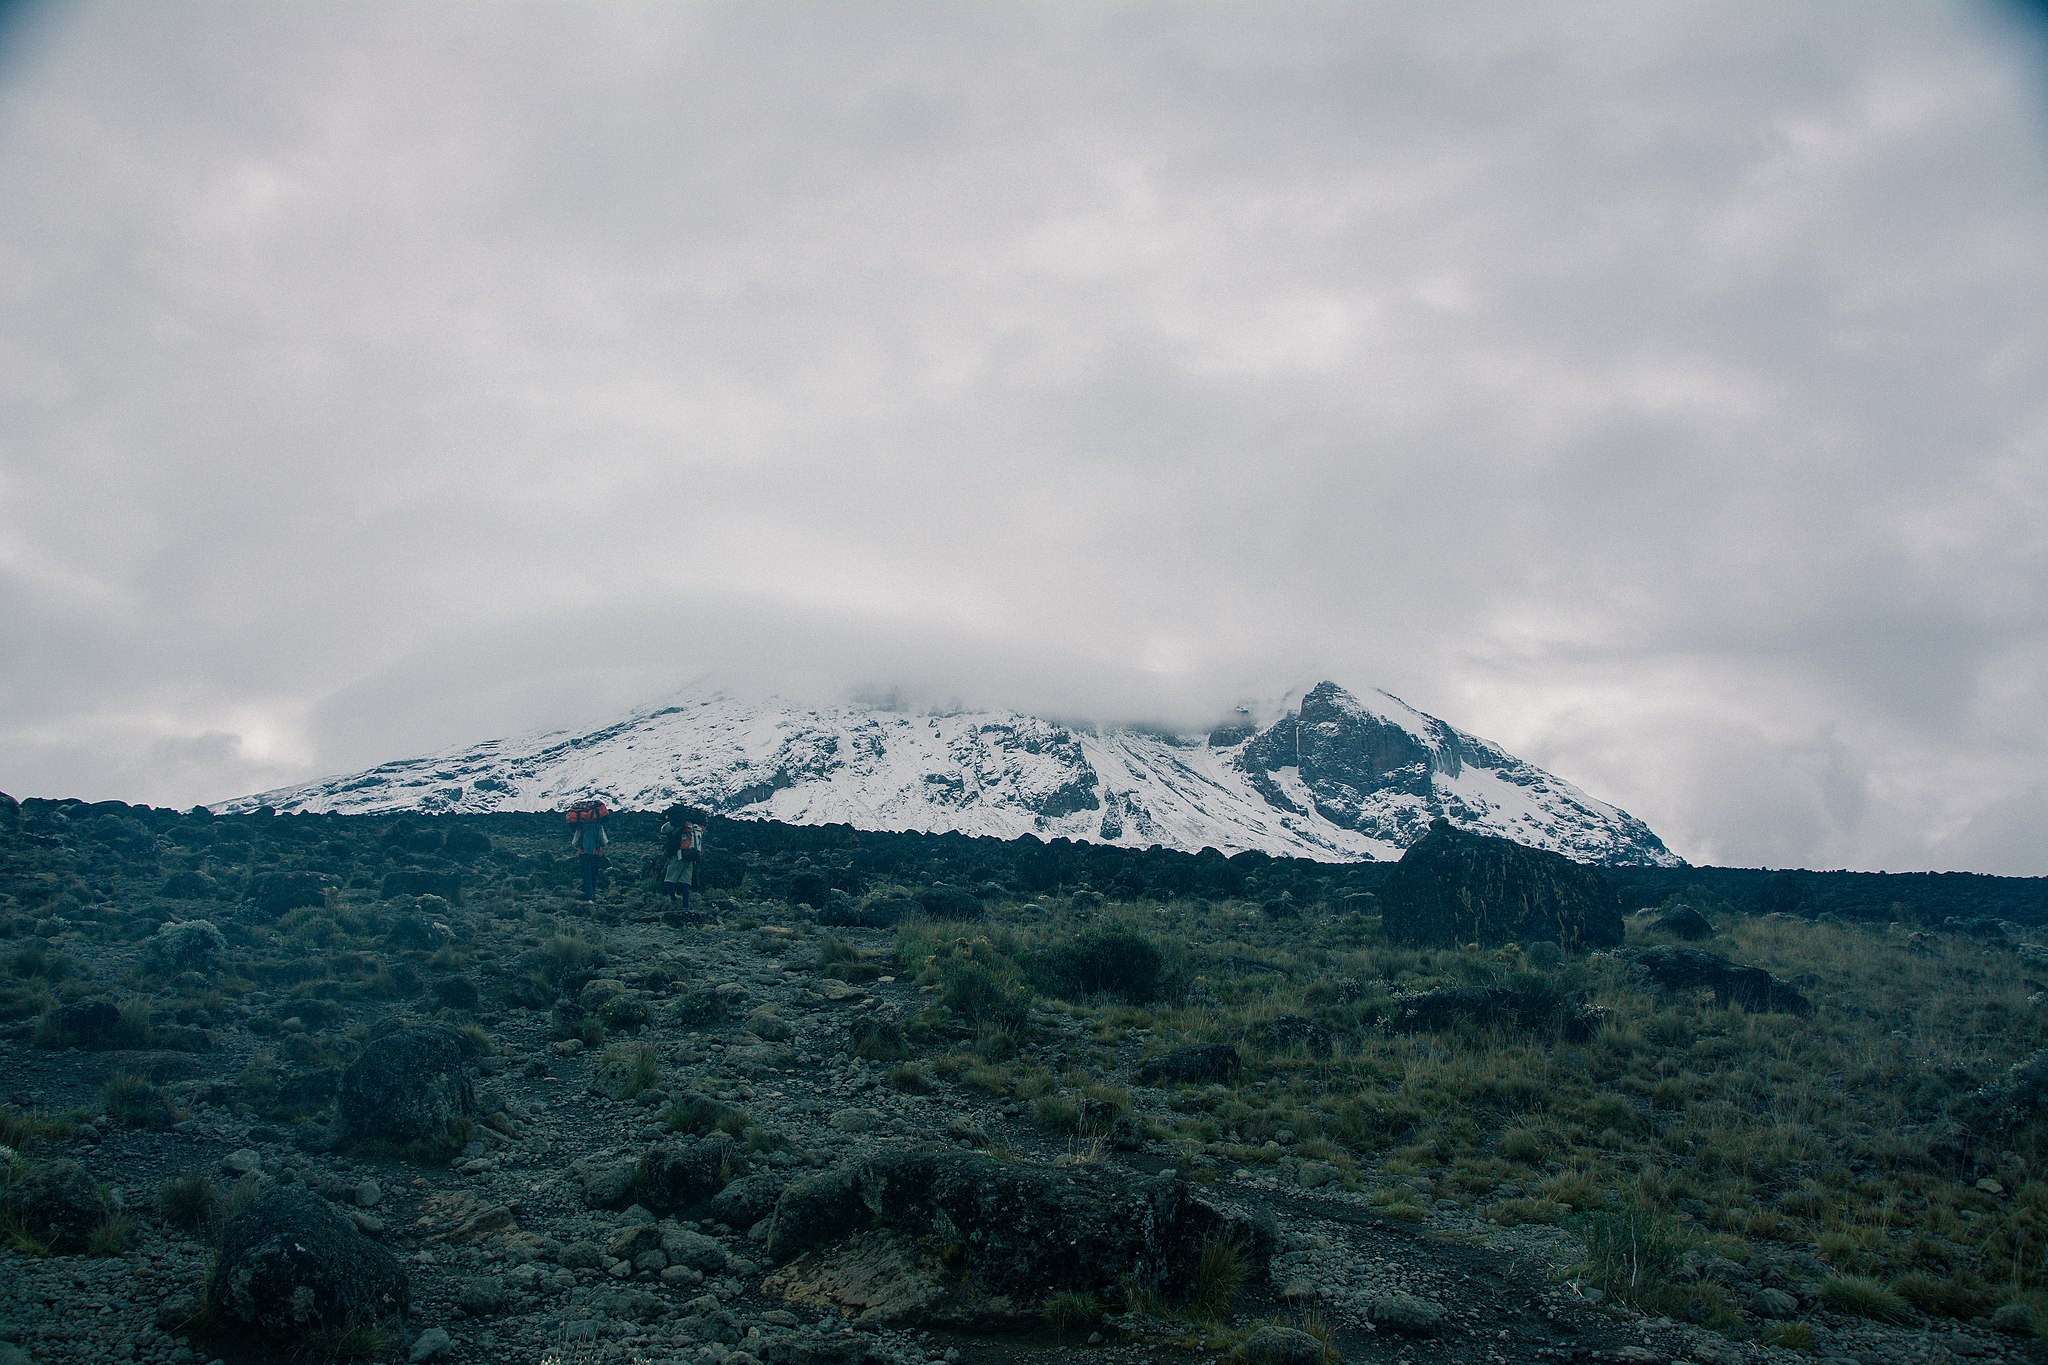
x=291, y=1267
x=1346, y=754
x=409, y=1089
x=1753, y=988
x=1016, y=1233
x=1454, y=887
x=59, y=1205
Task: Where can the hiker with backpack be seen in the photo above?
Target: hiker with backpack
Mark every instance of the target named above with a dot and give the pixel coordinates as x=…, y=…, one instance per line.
x=587, y=837
x=682, y=839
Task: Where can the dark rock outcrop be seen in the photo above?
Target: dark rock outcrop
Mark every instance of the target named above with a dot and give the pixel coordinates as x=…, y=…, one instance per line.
x=681, y=1178
x=1684, y=922
x=84, y=1024
x=1195, y=1064
x=1454, y=887
x=1007, y=1234
x=1523, y=1004
x=292, y=1268
x=883, y=912
x=58, y=1205
x=410, y=1092
x=1676, y=968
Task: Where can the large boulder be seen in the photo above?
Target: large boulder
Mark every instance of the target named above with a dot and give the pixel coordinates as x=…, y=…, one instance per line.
x=1453, y=887
x=409, y=1093
x=877, y=1236
x=292, y=1269
x=1684, y=922
x=58, y=1205
x=1688, y=969
x=679, y=1179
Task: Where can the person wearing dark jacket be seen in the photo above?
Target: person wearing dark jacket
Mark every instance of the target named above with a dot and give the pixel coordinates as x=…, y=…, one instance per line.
x=589, y=839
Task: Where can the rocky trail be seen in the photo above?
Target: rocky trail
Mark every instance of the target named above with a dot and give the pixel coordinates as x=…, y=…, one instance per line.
x=532, y=1246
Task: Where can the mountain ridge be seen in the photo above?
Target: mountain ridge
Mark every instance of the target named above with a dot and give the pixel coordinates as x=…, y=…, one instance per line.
x=1334, y=777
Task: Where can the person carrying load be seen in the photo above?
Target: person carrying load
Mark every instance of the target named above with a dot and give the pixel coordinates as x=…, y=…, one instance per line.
x=682, y=839
x=587, y=837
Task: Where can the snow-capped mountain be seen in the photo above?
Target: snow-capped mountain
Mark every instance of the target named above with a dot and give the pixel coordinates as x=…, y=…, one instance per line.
x=1334, y=777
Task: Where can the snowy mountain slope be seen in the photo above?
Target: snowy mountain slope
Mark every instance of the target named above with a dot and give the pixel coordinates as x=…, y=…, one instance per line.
x=1334, y=778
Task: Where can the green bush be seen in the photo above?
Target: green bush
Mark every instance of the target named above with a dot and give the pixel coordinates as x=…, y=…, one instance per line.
x=1108, y=961
x=984, y=997
x=1631, y=1255
x=1222, y=1269
x=1863, y=1297
x=187, y=1201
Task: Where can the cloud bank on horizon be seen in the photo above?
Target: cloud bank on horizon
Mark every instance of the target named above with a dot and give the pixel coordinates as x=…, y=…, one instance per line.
x=1660, y=392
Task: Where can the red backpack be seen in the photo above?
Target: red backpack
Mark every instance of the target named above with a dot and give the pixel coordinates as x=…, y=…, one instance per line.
x=586, y=812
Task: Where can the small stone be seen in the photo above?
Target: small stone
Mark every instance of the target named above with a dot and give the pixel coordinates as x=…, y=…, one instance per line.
x=367, y=1193
x=432, y=1344
x=243, y=1162
x=1990, y=1186
x=856, y=1120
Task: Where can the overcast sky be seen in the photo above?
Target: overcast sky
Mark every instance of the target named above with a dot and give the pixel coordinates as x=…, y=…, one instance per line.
x=1659, y=390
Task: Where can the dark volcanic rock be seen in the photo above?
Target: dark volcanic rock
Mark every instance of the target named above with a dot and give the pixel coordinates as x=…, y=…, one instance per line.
x=59, y=1205
x=682, y=1178
x=1531, y=1005
x=409, y=1090
x=1196, y=1063
x=291, y=1268
x=1753, y=988
x=950, y=902
x=1015, y=1233
x=1345, y=754
x=274, y=893
x=1455, y=887
x=1684, y=922
x=86, y=1024
x=883, y=912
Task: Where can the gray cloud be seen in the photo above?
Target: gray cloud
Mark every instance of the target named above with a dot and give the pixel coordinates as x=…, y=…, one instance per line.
x=1656, y=391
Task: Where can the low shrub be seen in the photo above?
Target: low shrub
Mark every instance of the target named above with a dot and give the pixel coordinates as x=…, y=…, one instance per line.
x=1108, y=961
x=1864, y=1297
x=1632, y=1255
